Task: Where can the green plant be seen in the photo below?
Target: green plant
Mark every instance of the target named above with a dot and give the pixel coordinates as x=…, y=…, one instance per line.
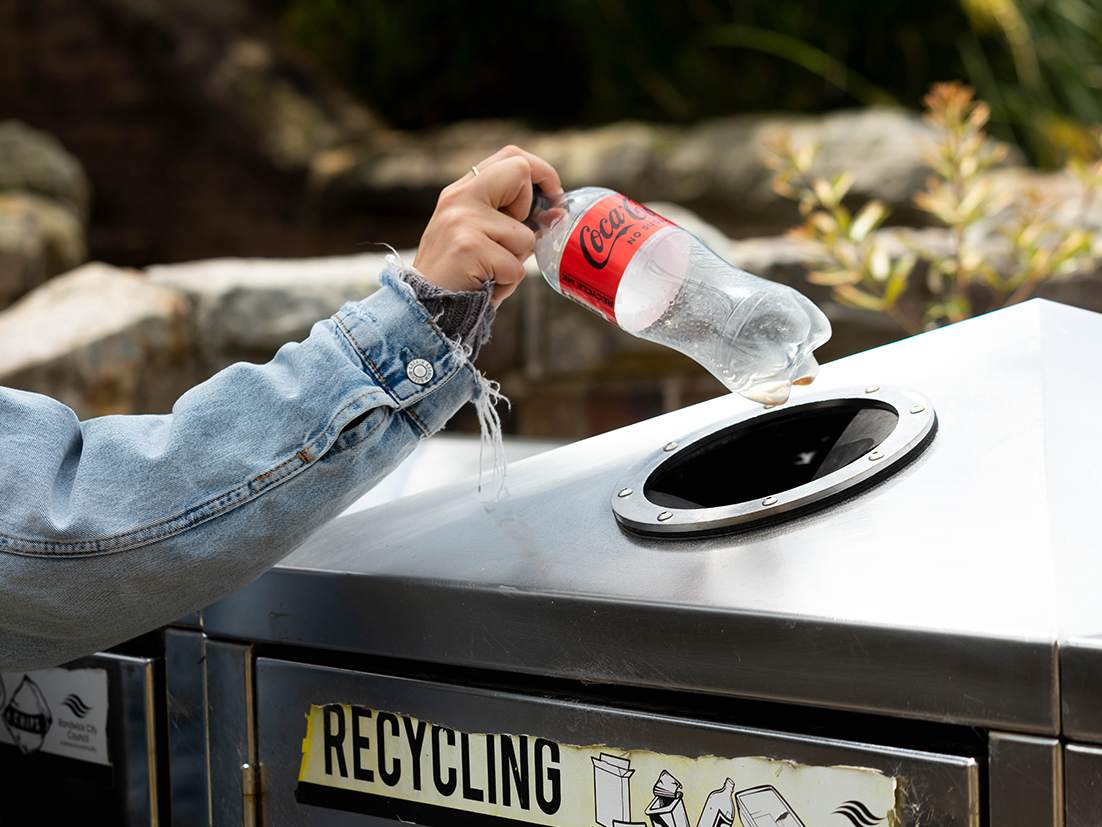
x=961, y=280
x=1040, y=66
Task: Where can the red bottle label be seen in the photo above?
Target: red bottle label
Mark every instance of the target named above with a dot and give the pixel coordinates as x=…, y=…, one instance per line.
x=600, y=247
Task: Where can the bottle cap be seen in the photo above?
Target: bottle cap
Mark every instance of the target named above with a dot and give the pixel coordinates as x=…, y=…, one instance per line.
x=541, y=203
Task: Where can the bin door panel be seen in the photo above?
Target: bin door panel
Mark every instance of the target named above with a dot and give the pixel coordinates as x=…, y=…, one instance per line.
x=78, y=745
x=341, y=747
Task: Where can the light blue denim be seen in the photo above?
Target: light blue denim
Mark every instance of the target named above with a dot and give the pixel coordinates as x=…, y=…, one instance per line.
x=117, y=525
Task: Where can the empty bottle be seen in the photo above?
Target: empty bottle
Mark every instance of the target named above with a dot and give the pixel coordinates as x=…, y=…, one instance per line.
x=659, y=282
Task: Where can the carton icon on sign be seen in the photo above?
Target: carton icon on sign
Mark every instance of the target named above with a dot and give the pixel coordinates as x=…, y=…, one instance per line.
x=612, y=789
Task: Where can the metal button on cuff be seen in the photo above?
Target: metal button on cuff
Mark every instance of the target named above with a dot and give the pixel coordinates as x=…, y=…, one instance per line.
x=419, y=371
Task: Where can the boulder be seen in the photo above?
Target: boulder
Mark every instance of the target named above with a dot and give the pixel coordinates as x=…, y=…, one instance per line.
x=100, y=339
x=714, y=168
x=717, y=167
x=35, y=162
x=39, y=238
x=245, y=309
x=44, y=196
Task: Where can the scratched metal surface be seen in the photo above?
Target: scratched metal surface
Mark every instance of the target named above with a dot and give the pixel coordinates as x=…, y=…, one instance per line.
x=942, y=593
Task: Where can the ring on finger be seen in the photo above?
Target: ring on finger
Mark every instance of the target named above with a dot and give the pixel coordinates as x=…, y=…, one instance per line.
x=474, y=169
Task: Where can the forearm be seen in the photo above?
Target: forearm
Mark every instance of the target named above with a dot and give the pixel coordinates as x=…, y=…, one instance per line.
x=120, y=524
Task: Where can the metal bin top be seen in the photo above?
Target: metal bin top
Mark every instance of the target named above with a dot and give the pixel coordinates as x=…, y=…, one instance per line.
x=949, y=590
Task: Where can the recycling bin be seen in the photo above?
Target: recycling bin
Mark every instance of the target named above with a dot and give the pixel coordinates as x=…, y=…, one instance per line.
x=873, y=605
x=79, y=744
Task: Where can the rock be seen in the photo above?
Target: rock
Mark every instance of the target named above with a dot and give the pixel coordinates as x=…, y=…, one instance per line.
x=627, y=157
x=714, y=238
x=717, y=167
x=412, y=170
x=714, y=168
x=1058, y=192
x=225, y=60
x=39, y=238
x=246, y=309
x=36, y=162
x=100, y=339
x=44, y=197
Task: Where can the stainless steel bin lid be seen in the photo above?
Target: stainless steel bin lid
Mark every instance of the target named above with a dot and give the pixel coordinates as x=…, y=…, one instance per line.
x=947, y=591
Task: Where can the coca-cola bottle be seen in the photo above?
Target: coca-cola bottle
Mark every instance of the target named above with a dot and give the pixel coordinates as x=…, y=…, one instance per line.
x=659, y=282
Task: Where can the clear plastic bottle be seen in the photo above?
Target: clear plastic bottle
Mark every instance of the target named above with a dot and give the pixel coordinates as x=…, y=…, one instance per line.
x=659, y=282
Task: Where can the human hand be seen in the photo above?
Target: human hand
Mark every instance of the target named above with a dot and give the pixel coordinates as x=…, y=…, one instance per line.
x=475, y=234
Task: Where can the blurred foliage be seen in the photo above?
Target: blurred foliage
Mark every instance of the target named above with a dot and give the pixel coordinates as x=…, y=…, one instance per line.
x=586, y=62
x=596, y=61
x=1041, y=72
x=962, y=280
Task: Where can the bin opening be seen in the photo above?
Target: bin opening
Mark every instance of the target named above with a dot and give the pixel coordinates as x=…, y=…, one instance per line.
x=770, y=454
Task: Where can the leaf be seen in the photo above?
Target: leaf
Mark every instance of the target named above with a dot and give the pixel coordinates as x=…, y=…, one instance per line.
x=880, y=264
x=840, y=185
x=832, y=278
x=868, y=219
x=824, y=223
x=894, y=289
x=783, y=188
x=804, y=157
x=849, y=295
x=823, y=192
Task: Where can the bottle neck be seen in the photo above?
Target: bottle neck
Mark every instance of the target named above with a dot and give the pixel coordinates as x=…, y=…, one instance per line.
x=542, y=204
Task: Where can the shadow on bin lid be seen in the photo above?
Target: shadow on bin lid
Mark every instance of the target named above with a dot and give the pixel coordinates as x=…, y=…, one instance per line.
x=767, y=466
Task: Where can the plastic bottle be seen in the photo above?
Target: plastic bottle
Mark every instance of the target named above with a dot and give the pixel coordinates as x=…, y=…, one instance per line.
x=659, y=282
x=719, y=808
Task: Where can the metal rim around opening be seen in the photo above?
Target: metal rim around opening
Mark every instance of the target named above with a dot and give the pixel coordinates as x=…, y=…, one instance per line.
x=915, y=426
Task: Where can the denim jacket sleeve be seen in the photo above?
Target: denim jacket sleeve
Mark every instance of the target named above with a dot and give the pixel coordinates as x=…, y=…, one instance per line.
x=117, y=525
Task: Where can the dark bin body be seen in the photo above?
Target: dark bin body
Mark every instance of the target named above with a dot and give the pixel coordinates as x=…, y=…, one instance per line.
x=84, y=744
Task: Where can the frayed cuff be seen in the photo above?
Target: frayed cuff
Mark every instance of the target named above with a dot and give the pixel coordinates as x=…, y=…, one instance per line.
x=465, y=317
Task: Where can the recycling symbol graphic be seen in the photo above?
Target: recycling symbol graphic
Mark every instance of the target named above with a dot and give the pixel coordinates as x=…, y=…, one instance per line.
x=27, y=716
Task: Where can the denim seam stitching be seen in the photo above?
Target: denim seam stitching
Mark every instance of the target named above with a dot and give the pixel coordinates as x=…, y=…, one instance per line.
x=228, y=500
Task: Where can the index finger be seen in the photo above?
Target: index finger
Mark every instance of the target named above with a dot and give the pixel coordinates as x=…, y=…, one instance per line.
x=542, y=173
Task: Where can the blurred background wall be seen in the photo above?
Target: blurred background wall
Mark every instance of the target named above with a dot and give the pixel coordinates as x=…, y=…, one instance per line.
x=160, y=132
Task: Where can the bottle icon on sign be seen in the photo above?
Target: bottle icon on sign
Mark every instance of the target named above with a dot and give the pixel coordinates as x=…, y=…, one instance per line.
x=719, y=809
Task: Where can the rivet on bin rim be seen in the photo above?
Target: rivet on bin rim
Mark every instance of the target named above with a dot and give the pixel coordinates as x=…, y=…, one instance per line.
x=665, y=515
x=872, y=389
x=918, y=409
x=671, y=447
x=875, y=455
x=769, y=501
x=625, y=492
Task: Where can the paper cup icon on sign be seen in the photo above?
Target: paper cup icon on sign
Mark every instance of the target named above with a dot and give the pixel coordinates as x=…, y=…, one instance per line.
x=27, y=717
x=667, y=809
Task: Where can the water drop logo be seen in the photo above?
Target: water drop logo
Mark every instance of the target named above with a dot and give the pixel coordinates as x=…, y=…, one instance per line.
x=76, y=705
x=858, y=814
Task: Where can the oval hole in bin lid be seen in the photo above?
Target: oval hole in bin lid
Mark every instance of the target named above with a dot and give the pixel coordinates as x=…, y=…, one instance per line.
x=785, y=461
